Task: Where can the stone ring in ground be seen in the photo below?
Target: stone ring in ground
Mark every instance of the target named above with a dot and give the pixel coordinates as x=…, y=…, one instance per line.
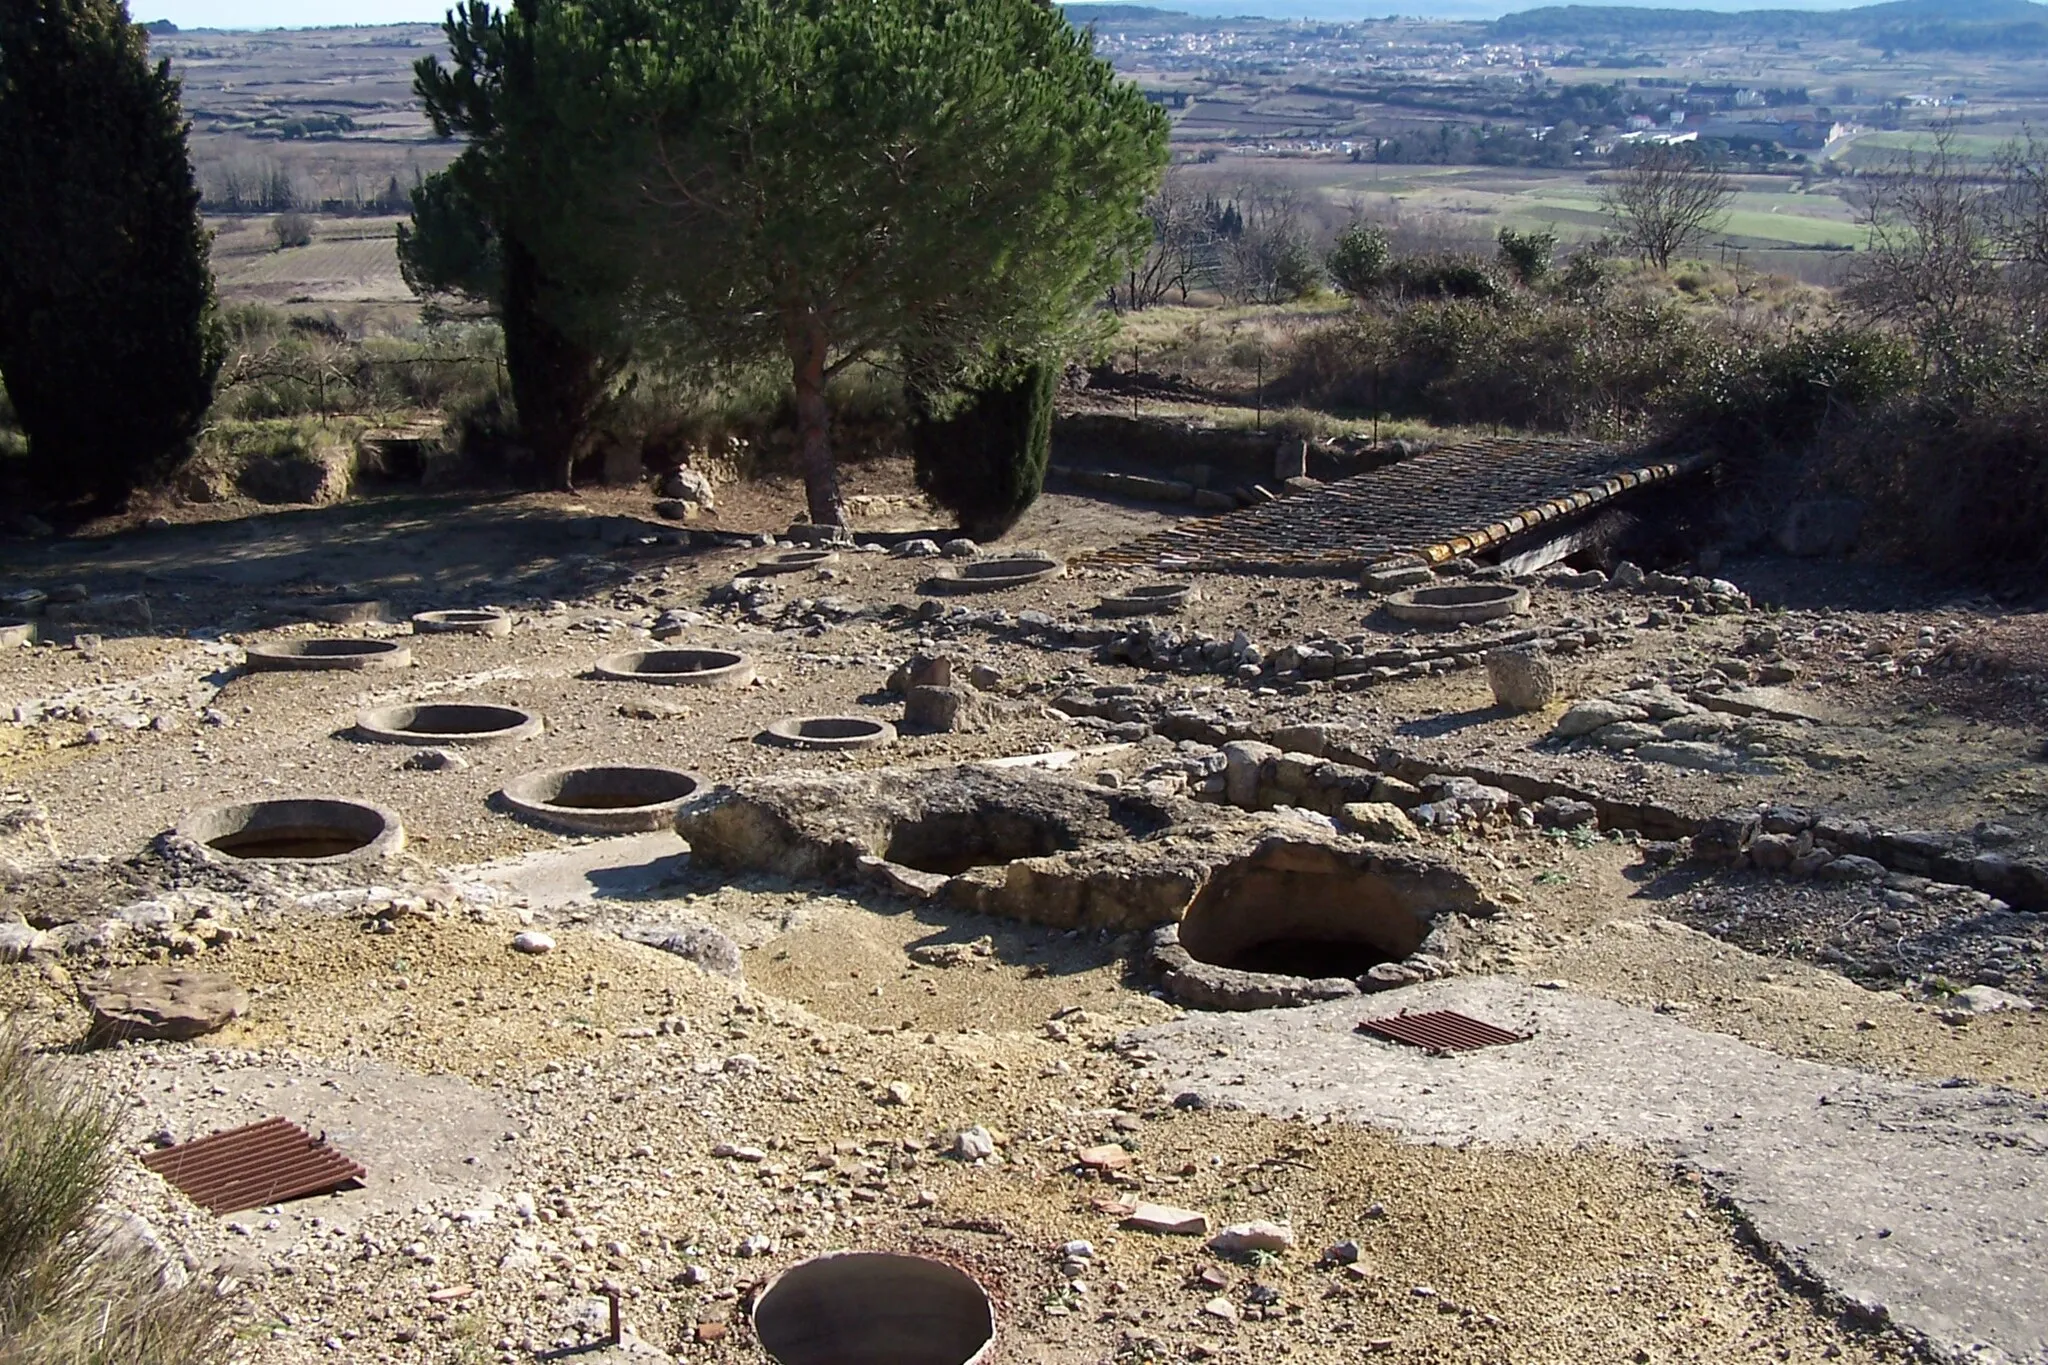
x=470, y=723
x=1148, y=598
x=327, y=655
x=791, y=561
x=463, y=621
x=988, y=575
x=348, y=613
x=832, y=732
x=874, y=1306
x=302, y=829
x=1460, y=605
x=17, y=633
x=1298, y=922
x=603, y=800
x=678, y=667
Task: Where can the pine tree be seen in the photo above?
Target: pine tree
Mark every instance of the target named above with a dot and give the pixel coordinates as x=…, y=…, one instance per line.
x=820, y=183
x=110, y=346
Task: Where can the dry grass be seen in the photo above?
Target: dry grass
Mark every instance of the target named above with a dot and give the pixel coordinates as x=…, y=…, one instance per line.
x=73, y=1289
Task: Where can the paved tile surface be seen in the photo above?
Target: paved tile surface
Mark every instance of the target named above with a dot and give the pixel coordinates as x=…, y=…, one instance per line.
x=1439, y=505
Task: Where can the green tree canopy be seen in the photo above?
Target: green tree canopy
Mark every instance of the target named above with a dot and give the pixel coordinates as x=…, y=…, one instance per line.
x=503, y=224
x=818, y=182
x=110, y=348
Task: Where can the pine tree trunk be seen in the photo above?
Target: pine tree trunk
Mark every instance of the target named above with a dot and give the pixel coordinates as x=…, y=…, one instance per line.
x=805, y=337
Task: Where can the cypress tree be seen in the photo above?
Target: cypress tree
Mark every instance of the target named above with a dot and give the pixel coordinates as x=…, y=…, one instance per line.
x=110, y=347
x=985, y=460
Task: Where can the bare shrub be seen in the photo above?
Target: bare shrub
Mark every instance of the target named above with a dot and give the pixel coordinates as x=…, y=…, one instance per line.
x=73, y=1291
x=291, y=229
x=1665, y=198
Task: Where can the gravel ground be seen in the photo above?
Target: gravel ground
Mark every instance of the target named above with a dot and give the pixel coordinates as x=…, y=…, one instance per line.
x=554, y=1120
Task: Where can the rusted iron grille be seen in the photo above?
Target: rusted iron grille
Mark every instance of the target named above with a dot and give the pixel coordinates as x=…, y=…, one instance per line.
x=1441, y=1031
x=248, y=1167
x=1437, y=506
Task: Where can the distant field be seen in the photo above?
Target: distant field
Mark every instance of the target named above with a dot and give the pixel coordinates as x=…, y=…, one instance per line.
x=1769, y=214
x=351, y=260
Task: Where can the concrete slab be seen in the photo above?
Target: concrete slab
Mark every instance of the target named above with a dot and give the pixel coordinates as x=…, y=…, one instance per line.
x=630, y=867
x=1925, y=1204
x=423, y=1140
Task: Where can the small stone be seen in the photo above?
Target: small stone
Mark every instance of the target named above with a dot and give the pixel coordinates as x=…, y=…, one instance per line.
x=896, y=1092
x=1381, y=821
x=960, y=548
x=435, y=761
x=1851, y=867
x=1342, y=1253
x=1521, y=679
x=533, y=942
x=1078, y=1250
x=1220, y=1307
x=1110, y=1156
x=919, y=548
x=753, y=1245
x=1240, y=1238
x=974, y=1144
x=1584, y=717
x=160, y=1002
x=1167, y=1219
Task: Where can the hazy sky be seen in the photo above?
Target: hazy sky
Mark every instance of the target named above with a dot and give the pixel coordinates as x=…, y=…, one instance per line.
x=321, y=13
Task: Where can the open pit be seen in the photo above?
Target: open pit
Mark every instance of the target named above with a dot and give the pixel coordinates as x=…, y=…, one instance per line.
x=1149, y=599
x=602, y=800
x=678, y=667
x=1461, y=604
x=832, y=732
x=1298, y=921
x=463, y=621
x=871, y=1308
x=338, y=656
x=299, y=829
x=989, y=575
x=436, y=723
x=791, y=561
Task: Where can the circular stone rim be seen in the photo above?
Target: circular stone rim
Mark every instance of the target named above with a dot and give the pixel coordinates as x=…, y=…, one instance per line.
x=286, y=656
x=655, y=815
x=817, y=1264
x=388, y=842
x=965, y=579
x=350, y=611
x=485, y=621
x=375, y=725
x=1162, y=597
x=13, y=632
x=737, y=673
x=791, y=561
x=1480, y=602
x=788, y=732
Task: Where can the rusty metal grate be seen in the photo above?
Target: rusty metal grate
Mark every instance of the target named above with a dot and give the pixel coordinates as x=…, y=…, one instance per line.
x=248, y=1167
x=1441, y=1031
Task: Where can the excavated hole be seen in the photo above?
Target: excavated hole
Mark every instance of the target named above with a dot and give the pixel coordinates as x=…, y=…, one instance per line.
x=951, y=842
x=679, y=667
x=462, y=621
x=606, y=800
x=447, y=723
x=1301, y=923
x=832, y=732
x=296, y=828
x=1463, y=604
x=319, y=655
x=870, y=1308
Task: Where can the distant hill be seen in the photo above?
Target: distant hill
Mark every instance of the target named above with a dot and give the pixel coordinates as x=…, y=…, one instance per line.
x=1905, y=25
